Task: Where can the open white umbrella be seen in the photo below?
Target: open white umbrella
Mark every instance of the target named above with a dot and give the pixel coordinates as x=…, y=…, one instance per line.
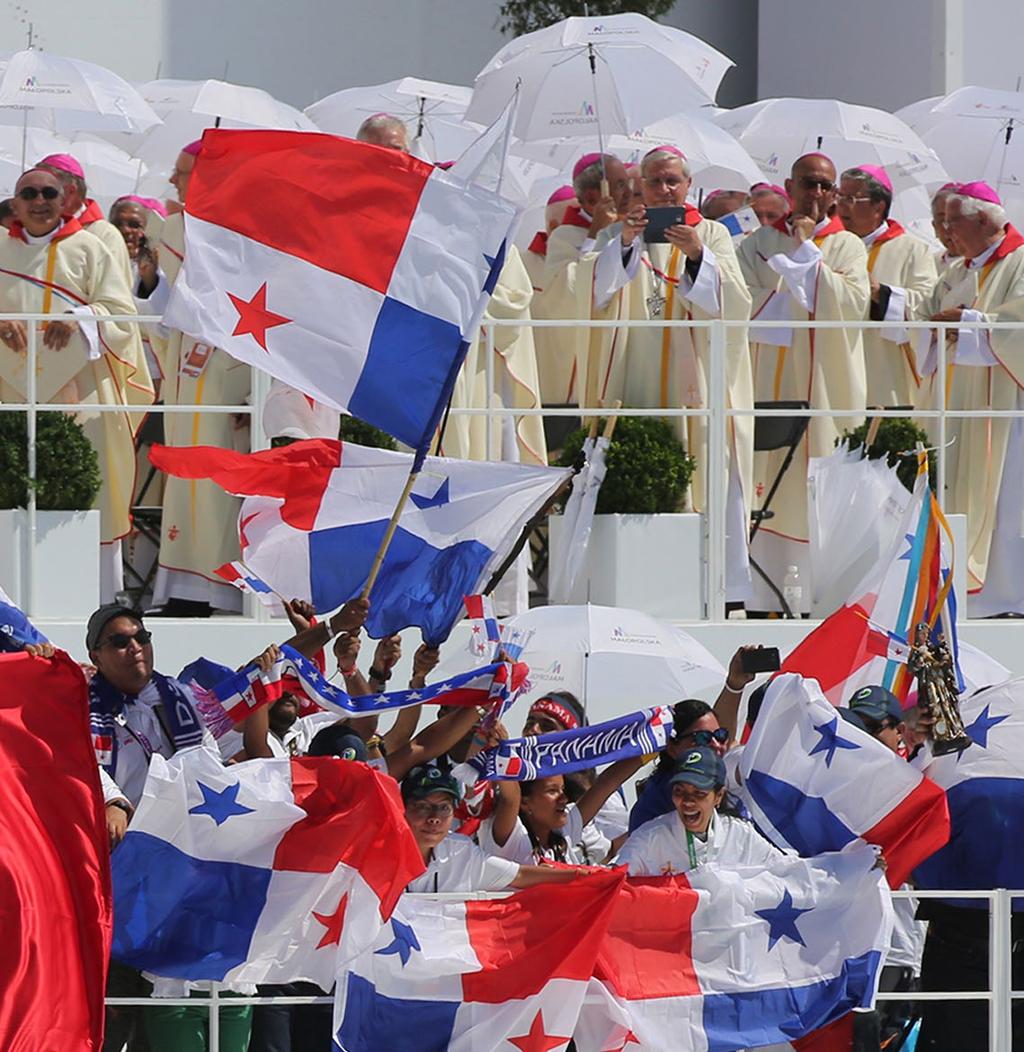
x=67, y=95
x=777, y=131
x=229, y=105
x=594, y=76
x=433, y=112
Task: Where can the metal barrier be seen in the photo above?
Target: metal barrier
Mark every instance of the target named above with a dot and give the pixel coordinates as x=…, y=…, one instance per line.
x=716, y=412
x=999, y=996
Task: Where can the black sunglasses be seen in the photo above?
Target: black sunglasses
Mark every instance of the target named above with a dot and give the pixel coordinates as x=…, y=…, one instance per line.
x=47, y=193
x=721, y=735
x=120, y=640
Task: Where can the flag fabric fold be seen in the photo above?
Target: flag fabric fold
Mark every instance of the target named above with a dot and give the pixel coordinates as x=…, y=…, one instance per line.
x=16, y=630
x=267, y=871
x=816, y=783
x=363, y=294
x=316, y=511
x=245, y=581
x=55, y=899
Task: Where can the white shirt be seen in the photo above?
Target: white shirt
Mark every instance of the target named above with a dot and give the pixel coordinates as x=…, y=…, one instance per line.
x=457, y=864
x=111, y=790
x=658, y=848
x=296, y=740
x=519, y=849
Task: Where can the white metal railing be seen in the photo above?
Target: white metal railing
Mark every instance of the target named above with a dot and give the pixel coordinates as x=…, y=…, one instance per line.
x=999, y=996
x=716, y=412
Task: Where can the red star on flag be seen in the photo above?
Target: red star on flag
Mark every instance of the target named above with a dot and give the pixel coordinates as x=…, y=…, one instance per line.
x=630, y=1038
x=537, y=1040
x=253, y=317
x=333, y=922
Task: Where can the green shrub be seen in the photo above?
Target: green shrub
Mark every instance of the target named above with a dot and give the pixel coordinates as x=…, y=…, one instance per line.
x=648, y=469
x=895, y=436
x=67, y=468
x=524, y=16
x=362, y=434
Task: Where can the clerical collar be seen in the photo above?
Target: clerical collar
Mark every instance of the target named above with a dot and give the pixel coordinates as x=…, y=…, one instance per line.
x=42, y=239
x=980, y=261
x=869, y=239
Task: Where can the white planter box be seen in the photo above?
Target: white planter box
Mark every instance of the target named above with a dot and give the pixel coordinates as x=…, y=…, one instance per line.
x=66, y=566
x=653, y=563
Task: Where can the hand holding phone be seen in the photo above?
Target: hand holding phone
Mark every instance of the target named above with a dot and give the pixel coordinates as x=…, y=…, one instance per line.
x=760, y=659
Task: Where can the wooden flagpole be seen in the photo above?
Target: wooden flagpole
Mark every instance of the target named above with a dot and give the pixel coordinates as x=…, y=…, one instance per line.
x=389, y=533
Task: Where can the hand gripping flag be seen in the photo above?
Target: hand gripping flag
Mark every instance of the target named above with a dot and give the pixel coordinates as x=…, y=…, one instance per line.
x=985, y=789
x=315, y=513
x=55, y=908
x=524, y=759
x=724, y=959
x=267, y=871
x=352, y=273
x=488, y=975
x=242, y=693
x=815, y=783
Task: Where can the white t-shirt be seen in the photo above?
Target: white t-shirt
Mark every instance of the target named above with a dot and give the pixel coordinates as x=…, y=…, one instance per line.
x=659, y=848
x=297, y=738
x=519, y=849
x=457, y=864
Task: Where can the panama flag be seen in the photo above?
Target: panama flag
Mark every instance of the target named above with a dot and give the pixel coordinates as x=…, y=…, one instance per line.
x=351, y=272
x=316, y=511
x=815, y=783
x=985, y=788
x=724, y=959
x=478, y=976
x=245, y=581
x=266, y=871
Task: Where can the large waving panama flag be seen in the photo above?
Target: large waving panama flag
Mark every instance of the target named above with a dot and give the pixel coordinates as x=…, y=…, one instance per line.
x=867, y=640
x=315, y=513
x=349, y=271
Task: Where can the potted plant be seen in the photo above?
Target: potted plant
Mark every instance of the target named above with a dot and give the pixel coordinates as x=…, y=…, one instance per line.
x=66, y=562
x=895, y=436
x=645, y=551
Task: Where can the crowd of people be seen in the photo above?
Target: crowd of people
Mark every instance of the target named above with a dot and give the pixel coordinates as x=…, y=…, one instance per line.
x=474, y=836
x=826, y=250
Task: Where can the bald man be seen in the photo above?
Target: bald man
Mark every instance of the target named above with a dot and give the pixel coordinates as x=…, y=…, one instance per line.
x=384, y=130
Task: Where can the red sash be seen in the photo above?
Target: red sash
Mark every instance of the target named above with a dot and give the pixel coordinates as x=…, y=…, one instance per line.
x=894, y=231
x=539, y=244
x=91, y=214
x=71, y=226
x=574, y=217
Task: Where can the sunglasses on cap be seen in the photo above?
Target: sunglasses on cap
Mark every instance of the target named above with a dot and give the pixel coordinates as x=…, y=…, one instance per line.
x=809, y=183
x=120, y=640
x=721, y=735
x=47, y=193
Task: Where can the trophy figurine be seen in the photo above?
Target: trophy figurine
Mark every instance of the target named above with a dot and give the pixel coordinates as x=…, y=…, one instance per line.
x=937, y=691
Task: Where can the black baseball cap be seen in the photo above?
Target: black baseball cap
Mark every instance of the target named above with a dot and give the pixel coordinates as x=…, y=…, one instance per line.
x=420, y=782
x=877, y=704
x=338, y=740
x=700, y=767
x=100, y=618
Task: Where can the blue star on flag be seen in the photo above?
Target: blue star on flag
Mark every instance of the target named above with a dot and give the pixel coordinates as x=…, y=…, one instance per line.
x=983, y=723
x=782, y=921
x=830, y=741
x=220, y=806
x=909, y=553
x=439, y=498
x=403, y=943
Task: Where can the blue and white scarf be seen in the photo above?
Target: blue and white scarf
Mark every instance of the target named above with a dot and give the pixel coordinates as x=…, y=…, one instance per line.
x=107, y=705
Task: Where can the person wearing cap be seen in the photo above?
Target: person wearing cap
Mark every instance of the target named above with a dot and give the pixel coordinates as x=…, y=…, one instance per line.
x=50, y=265
x=881, y=715
x=695, y=832
x=985, y=371
x=535, y=257
x=193, y=540
x=805, y=267
x=769, y=202
x=580, y=281
x=454, y=863
x=720, y=203
x=902, y=272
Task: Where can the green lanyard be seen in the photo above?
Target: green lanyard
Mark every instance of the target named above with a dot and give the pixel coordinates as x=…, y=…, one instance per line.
x=691, y=850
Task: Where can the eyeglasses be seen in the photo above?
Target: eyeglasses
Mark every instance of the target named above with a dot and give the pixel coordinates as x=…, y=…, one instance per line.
x=721, y=735
x=120, y=640
x=47, y=193
x=425, y=810
x=671, y=181
x=825, y=185
x=851, y=199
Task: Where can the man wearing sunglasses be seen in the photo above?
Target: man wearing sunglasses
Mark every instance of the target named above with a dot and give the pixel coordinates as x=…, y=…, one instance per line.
x=805, y=267
x=50, y=265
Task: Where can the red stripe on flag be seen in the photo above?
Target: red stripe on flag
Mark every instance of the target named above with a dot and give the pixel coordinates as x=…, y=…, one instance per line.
x=342, y=205
x=647, y=951
x=913, y=831
x=834, y=650
x=544, y=933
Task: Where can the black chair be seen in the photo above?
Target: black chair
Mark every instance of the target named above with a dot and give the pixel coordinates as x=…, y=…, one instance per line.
x=771, y=433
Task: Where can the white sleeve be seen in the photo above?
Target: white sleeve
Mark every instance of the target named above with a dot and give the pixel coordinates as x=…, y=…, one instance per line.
x=616, y=266
x=799, y=270
x=89, y=330
x=517, y=848
x=111, y=790
x=490, y=873
x=896, y=312
x=631, y=855
x=573, y=831
x=778, y=307
x=972, y=346
x=705, y=292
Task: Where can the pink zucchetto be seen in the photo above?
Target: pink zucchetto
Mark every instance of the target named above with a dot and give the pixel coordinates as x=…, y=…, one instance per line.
x=770, y=188
x=150, y=203
x=64, y=162
x=666, y=148
x=585, y=162
x=979, y=190
x=193, y=148
x=563, y=193
x=878, y=173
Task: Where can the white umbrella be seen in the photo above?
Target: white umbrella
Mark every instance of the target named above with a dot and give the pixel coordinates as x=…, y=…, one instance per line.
x=433, y=112
x=68, y=95
x=232, y=105
x=777, y=131
x=594, y=76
